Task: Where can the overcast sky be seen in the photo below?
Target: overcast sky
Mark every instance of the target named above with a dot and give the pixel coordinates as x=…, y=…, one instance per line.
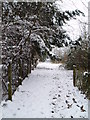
x=74, y=27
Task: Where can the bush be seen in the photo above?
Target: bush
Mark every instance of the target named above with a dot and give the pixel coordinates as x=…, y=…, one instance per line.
x=78, y=56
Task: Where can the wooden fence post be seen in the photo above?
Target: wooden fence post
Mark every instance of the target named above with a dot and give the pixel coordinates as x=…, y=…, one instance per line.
x=20, y=72
x=74, y=75
x=29, y=61
x=30, y=65
x=10, y=82
x=32, y=62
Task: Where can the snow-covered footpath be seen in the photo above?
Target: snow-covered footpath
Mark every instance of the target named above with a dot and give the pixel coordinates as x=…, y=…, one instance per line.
x=48, y=92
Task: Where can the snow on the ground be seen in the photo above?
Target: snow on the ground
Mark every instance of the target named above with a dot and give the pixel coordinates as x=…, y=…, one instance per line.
x=0, y=112
x=48, y=92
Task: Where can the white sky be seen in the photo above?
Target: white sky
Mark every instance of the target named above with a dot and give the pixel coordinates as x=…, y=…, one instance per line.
x=74, y=27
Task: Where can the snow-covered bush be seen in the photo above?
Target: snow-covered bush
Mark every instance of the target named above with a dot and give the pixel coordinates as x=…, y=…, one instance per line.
x=78, y=56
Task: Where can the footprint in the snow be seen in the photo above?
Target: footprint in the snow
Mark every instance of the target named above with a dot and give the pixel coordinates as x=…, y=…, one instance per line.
x=52, y=111
x=66, y=101
x=69, y=106
x=56, y=78
x=71, y=116
x=78, y=106
x=4, y=105
x=54, y=98
x=67, y=96
x=59, y=95
x=59, y=91
x=55, y=94
x=18, y=108
x=14, y=114
x=50, y=91
x=74, y=100
x=53, y=104
x=84, y=97
x=82, y=109
x=22, y=91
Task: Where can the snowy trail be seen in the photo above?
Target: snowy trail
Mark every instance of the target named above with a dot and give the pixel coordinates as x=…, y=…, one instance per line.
x=48, y=92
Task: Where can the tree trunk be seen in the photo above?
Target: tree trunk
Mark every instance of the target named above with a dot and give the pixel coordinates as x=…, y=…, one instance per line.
x=10, y=82
x=20, y=72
